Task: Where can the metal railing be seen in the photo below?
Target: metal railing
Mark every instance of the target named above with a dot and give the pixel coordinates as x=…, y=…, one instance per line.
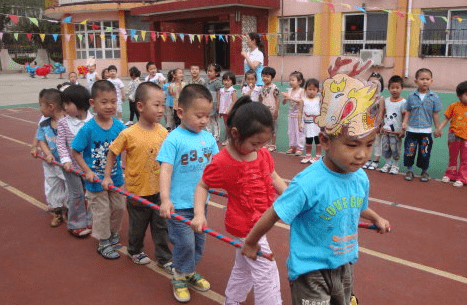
x=354, y=41
x=443, y=43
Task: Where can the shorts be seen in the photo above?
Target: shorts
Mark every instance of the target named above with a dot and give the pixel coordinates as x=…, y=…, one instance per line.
x=309, y=141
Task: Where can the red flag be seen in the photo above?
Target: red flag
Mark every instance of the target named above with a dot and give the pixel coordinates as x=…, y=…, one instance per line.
x=91, y=38
x=153, y=36
x=14, y=18
x=400, y=14
x=206, y=37
x=95, y=27
x=331, y=6
x=29, y=36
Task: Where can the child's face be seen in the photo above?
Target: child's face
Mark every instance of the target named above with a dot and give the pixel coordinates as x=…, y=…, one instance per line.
x=71, y=109
x=46, y=108
x=395, y=89
x=152, y=70
x=294, y=82
x=153, y=108
x=72, y=78
x=105, y=104
x=91, y=68
x=463, y=98
x=311, y=91
x=227, y=82
x=211, y=73
x=178, y=76
x=267, y=79
x=253, y=143
x=113, y=73
x=250, y=79
x=194, y=71
x=106, y=74
x=345, y=155
x=424, y=81
x=375, y=81
x=195, y=117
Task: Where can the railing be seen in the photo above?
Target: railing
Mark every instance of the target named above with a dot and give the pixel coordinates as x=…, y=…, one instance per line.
x=354, y=41
x=295, y=43
x=443, y=43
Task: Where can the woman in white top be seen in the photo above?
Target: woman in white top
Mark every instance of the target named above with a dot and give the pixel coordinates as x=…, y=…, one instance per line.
x=254, y=58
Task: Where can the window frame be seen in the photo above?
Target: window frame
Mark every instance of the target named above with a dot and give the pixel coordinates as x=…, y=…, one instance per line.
x=285, y=41
x=84, y=49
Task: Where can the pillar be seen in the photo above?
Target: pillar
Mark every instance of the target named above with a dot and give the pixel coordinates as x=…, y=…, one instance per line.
x=123, y=48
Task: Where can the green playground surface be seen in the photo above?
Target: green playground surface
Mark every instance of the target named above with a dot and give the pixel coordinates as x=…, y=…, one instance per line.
x=439, y=153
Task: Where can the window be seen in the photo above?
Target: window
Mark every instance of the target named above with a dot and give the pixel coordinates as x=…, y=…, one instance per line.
x=364, y=31
x=445, y=39
x=91, y=43
x=297, y=35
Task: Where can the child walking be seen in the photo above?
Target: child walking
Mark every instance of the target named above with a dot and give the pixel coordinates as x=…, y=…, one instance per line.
x=294, y=96
x=130, y=94
x=142, y=142
x=422, y=109
x=214, y=85
x=226, y=98
x=310, y=112
x=246, y=171
x=89, y=148
x=183, y=156
x=457, y=138
x=269, y=96
x=154, y=76
x=392, y=133
x=251, y=89
x=169, y=109
x=175, y=88
x=195, y=77
x=76, y=104
x=120, y=91
x=50, y=101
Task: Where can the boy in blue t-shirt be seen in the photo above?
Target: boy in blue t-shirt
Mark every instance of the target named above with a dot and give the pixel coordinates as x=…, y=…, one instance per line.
x=89, y=148
x=323, y=205
x=183, y=156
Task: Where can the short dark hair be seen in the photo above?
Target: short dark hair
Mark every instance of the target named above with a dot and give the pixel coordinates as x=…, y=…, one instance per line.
x=379, y=78
x=299, y=77
x=191, y=92
x=142, y=92
x=312, y=81
x=112, y=67
x=51, y=96
x=135, y=72
x=77, y=95
x=150, y=63
x=420, y=71
x=217, y=68
x=100, y=86
x=396, y=79
x=461, y=88
x=251, y=72
x=194, y=65
x=269, y=71
x=72, y=72
x=249, y=118
x=230, y=75
x=170, y=76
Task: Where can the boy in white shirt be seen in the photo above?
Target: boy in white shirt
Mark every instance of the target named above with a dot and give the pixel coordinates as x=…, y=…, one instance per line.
x=119, y=87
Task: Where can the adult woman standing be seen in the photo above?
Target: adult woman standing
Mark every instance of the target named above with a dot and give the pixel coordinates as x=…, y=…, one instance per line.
x=254, y=58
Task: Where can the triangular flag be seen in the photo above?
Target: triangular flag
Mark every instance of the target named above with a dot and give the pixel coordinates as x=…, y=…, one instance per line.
x=444, y=18
x=95, y=27
x=221, y=38
x=199, y=37
x=34, y=20
x=67, y=37
x=422, y=18
x=410, y=15
x=114, y=37
x=331, y=6
x=122, y=31
x=42, y=36
x=459, y=19
x=400, y=14
x=192, y=37
x=153, y=36
x=80, y=37
x=55, y=36
x=91, y=38
x=1, y=35
x=182, y=37
x=84, y=22
x=108, y=29
x=387, y=11
x=132, y=33
x=233, y=38
x=432, y=18
x=102, y=36
x=206, y=38
x=29, y=36
x=173, y=37
x=14, y=18
x=164, y=36
x=346, y=5
x=212, y=37
x=16, y=36
x=143, y=35
x=360, y=8
x=67, y=19
x=136, y=37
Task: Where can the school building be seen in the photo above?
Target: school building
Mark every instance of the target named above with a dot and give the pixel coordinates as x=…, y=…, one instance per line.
x=400, y=36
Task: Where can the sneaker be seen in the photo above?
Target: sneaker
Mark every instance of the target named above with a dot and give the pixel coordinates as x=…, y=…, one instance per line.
x=290, y=151
x=424, y=177
x=168, y=267
x=374, y=165
x=394, y=170
x=385, y=168
x=129, y=123
x=141, y=259
x=445, y=179
x=298, y=152
x=114, y=238
x=458, y=184
x=198, y=282
x=80, y=232
x=368, y=163
x=306, y=160
x=180, y=288
x=409, y=176
x=57, y=220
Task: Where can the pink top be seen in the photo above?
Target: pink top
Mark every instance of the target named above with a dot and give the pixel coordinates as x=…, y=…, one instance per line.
x=293, y=106
x=269, y=95
x=225, y=99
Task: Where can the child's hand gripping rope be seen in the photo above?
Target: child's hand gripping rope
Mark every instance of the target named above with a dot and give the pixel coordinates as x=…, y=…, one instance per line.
x=233, y=242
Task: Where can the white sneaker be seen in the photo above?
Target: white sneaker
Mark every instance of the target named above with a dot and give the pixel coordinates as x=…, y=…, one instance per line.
x=458, y=184
x=128, y=123
x=445, y=179
x=394, y=170
x=373, y=165
x=385, y=168
x=368, y=163
x=307, y=159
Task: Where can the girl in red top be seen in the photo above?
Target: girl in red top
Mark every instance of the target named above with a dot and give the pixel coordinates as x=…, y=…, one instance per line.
x=246, y=171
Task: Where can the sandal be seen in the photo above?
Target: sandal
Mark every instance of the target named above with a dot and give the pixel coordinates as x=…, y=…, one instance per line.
x=298, y=153
x=107, y=251
x=272, y=148
x=80, y=232
x=290, y=151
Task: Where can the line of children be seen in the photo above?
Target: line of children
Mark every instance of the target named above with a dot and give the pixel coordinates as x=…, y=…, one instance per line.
x=226, y=98
x=130, y=94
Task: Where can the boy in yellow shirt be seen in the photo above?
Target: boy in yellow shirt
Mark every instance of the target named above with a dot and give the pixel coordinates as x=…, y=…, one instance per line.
x=142, y=142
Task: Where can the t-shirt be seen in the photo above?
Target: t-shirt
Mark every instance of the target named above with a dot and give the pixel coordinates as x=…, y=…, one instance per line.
x=249, y=185
x=457, y=113
x=225, y=99
x=269, y=95
x=310, y=111
x=156, y=79
x=393, y=115
x=294, y=106
x=323, y=209
x=199, y=81
x=189, y=153
x=254, y=94
x=214, y=86
x=47, y=133
x=90, y=79
x=142, y=169
x=118, y=85
x=177, y=89
x=169, y=100
x=421, y=111
x=94, y=142
x=255, y=55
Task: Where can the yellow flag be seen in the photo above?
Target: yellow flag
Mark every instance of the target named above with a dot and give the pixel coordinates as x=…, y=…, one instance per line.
x=102, y=36
x=84, y=22
x=411, y=16
x=212, y=36
x=143, y=35
x=42, y=37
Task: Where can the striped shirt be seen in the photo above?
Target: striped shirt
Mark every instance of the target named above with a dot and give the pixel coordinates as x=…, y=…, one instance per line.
x=421, y=111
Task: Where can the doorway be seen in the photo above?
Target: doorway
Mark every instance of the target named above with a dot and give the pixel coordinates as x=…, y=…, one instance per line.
x=217, y=51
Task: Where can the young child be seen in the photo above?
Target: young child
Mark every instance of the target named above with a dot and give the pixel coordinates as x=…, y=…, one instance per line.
x=175, y=88
x=457, y=137
x=76, y=104
x=169, y=109
x=154, y=76
x=91, y=76
x=105, y=74
x=73, y=78
x=183, y=156
x=377, y=79
x=130, y=94
x=120, y=91
x=142, y=142
x=422, y=109
x=294, y=96
x=246, y=171
x=55, y=188
x=310, y=112
x=195, y=77
x=392, y=133
x=89, y=148
x=250, y=88
x=269, y=96
x=323, y=204
x=226, y=98
x=214, y=85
